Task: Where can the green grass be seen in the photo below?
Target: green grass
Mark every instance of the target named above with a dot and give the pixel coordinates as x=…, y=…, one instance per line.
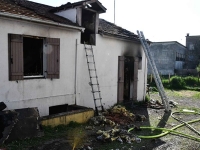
x=197, y=96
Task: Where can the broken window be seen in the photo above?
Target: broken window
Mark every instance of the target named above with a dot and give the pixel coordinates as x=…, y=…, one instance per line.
x=31, y=57
x=89, y=23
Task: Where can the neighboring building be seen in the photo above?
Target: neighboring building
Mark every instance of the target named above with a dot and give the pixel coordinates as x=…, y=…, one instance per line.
x=43, y=62
x=193, y=52
x=168, y=57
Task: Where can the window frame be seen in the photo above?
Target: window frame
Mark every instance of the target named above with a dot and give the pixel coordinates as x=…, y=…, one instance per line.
x=51, y=58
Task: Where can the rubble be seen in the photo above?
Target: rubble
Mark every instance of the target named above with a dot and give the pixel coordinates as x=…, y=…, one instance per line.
x=155, y=104
x=119, y=120
x=173, y=103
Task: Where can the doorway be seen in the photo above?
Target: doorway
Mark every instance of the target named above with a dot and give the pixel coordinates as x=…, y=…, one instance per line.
x=127, y=78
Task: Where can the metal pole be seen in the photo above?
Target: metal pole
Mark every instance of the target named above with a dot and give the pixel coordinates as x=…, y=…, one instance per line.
x=114, y=11
x=75, y=71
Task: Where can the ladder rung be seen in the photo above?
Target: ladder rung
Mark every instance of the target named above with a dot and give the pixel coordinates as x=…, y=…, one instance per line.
x=98, y=106
x=88, y=48
x=90, y=62
x=92, y=69
x=95, y=84
x=90, y=55
x=95, y=91
x=94, y=77
x=97, y=98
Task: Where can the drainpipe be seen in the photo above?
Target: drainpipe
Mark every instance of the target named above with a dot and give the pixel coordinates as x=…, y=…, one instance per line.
x=47, y=22
x=75, y=76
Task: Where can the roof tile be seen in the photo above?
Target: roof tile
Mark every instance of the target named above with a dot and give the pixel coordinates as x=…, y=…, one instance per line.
x=109, y=28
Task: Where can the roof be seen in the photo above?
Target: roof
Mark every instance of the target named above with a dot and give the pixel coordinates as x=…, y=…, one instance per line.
x=94, y=4
x=169, y=42
x=45, y=13
x=110, y=29
x=32, y=10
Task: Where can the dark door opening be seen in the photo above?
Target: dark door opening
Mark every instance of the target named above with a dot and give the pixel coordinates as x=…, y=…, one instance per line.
x=128, y=77
x=89, y=23
x=33, y=56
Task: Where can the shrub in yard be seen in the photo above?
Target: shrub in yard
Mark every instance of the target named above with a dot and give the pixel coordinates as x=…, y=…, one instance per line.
x=177, y=83
x=165, y=83
x=190, y=81
x=147, y=98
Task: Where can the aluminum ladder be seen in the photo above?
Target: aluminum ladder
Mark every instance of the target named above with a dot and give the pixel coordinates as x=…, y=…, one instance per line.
x=156, y=76
x=94, y=83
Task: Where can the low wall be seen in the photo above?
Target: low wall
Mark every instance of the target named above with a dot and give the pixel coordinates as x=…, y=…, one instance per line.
x=79, y=116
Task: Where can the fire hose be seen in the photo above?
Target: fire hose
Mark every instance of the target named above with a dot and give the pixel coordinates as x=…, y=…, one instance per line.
x=172, y=130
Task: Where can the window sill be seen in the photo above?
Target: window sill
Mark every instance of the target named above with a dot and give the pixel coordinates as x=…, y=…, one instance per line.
x=34, y=77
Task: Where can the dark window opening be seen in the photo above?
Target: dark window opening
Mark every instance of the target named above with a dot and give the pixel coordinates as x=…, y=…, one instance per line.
x=58, y=109
x=88, y=22
x=33, y=56
x=128, y=77
x=63, y=108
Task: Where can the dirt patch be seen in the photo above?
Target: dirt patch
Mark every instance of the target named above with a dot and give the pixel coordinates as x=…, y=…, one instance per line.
x=185, y=93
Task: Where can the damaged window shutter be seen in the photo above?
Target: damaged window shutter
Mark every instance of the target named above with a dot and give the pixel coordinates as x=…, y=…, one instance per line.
x=15, y=57
x=53, y=58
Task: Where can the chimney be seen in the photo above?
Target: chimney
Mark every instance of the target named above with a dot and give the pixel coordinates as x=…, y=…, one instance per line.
x=188, y=34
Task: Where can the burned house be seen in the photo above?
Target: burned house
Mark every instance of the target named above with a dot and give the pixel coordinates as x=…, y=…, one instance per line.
x=43, y=62
x=169, y=57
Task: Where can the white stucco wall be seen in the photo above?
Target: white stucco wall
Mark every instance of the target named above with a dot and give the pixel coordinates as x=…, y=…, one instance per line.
x=106, y=54
x=69, y=14
x=40, y=93
x=43, y=93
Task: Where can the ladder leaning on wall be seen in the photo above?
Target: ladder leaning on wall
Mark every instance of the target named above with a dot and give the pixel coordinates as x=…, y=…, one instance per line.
x=94, y=83
x=156, y=76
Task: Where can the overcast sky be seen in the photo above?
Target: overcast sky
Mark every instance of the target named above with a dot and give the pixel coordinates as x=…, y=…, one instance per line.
x=160, y=20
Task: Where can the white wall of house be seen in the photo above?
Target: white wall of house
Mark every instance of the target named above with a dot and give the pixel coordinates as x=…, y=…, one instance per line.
x=69, y=14
x=106, y=54
x=41, y=93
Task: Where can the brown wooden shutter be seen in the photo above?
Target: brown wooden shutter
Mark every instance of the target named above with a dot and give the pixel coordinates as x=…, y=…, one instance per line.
x=135, y=78
x=53, y=58
x=120, y=93
x=15, y=44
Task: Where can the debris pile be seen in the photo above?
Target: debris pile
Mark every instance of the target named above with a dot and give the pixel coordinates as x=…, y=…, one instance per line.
x=122, y=116
x=155, y=104
x=115, y=123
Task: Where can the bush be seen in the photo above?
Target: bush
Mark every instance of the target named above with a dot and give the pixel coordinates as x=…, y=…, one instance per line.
x=177, y=83
x=190, y=81
x=147, y=98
